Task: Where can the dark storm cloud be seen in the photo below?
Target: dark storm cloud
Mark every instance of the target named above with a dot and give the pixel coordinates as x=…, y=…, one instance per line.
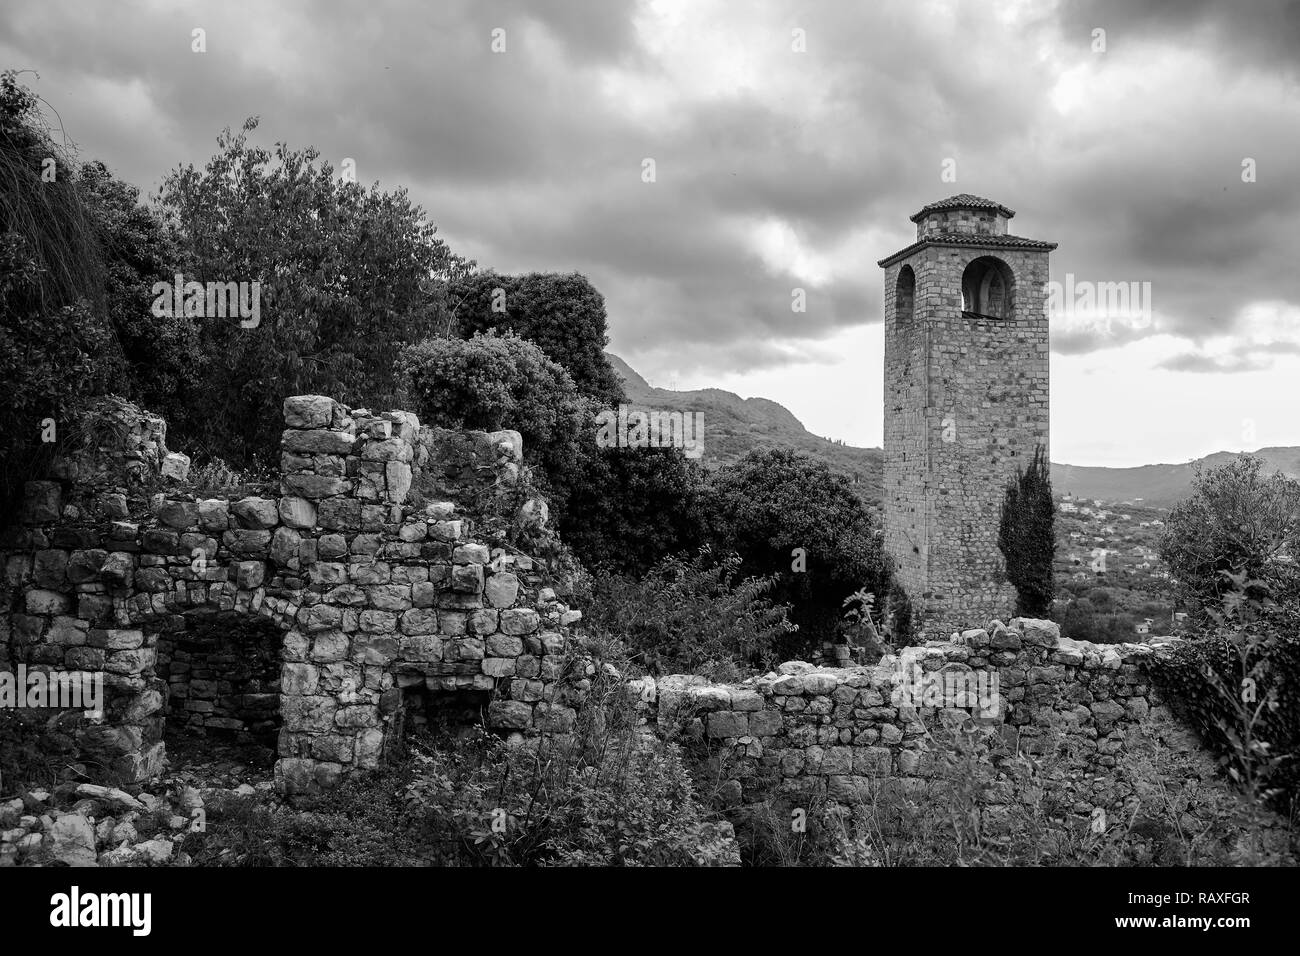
x=531, y=159
x=1266, y=30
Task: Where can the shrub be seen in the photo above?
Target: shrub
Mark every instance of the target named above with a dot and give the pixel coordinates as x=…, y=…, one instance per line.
x=1239, y=521
x=1238, y=683
x=493, y=382
x=56, y=348
x=791, y=518
x=694, y=616
x=628, y=508
x=564, y=315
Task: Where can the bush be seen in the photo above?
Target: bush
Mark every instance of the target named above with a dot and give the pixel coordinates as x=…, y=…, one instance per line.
x=1236, y=521
x=628, y=508
x=695, y=617
x=56, y=347
x=493, y=382
x=791, y=518
x=564, y=315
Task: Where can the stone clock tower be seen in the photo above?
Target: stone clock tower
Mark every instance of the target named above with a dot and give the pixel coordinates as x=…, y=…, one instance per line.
x=966, y=403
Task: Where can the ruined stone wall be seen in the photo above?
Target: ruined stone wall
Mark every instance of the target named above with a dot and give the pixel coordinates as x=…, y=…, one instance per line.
x=377, y=593
x=804, y=733
x=966, y=402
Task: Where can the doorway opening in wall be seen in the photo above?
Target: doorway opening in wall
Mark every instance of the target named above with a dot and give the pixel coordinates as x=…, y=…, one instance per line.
x=222, y=671
x=459, y=712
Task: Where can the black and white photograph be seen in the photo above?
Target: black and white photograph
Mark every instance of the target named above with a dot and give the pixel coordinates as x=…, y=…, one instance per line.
x=849, y=441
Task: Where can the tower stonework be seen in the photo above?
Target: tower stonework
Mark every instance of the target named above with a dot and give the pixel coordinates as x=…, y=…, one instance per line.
x=966, y=403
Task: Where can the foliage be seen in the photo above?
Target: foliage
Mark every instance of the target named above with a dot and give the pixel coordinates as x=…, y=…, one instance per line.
x=1026, y=537
x=563, y=314
x=159, y=354
x=693, y=616
x=56, y=348
x=1084, y=620
x=36, y=749
x=789, y=517
x=599, y=796
x=493, y=382
x=628, y=508
x=1238, y=683
x=51, y=362
x=1240, y=521
x=50, y=214
x=347, y=276
x=1171, y=814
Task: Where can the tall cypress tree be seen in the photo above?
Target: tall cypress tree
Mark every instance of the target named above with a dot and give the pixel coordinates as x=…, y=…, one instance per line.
x=1026, y=536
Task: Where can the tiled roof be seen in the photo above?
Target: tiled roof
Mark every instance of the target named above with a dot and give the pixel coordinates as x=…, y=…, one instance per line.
x=963, y=201
x=969, y=239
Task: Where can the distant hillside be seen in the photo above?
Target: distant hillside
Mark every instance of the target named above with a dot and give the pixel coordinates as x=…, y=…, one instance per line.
x=735, y=425
x=1157, y=485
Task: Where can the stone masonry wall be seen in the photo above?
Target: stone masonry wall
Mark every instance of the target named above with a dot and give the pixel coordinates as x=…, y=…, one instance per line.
x=804, y=733
x=375, y=591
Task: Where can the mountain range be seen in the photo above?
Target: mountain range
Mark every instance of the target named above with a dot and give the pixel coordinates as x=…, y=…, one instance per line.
x=735, y=425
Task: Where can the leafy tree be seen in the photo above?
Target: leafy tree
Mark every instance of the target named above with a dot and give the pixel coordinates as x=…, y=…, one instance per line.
x=1026, y=537
x=788, y=515
x=1236, y=520
x=630, y=507
x=159, y=354
x=563, y=314
x=347, y=276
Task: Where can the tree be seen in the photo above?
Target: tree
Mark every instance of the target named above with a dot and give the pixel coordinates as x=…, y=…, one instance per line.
x=56, y=346
x=159, y=354
x=1026, y=536
x=787, y=514
x=628, y=508
x=1236, y=521
x=346, y=275
x=563, y=314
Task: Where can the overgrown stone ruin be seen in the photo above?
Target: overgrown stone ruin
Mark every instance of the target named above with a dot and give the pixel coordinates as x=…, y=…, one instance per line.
x=379, y=577
x=382, y=599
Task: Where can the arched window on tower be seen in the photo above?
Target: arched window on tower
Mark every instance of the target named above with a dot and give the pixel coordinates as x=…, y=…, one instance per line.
x=988, y=289
x=905, y=295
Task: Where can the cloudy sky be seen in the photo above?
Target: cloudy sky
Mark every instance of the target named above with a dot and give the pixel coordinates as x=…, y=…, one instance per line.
x=791, y=141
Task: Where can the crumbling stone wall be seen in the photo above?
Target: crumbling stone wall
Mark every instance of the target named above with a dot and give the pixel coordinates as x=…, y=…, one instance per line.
x=966, y=404
x=374, y=590
x=805, y=733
